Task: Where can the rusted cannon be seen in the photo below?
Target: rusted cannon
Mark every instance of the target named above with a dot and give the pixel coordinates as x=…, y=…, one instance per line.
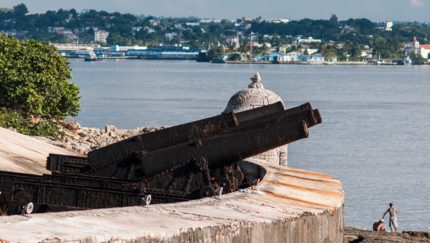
x=186, y=162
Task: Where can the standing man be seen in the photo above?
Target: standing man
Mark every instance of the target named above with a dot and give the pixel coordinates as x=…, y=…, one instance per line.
x=393, y=220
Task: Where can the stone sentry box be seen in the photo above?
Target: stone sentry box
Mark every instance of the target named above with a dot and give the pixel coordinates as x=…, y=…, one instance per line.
x=253, y=97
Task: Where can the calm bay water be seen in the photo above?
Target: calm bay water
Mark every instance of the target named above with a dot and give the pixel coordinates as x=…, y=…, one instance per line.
x=375, y=134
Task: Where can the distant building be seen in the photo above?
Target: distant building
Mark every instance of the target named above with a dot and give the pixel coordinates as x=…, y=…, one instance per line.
x=252, y=44
x=276, y=21
x=385, y=26
x=136, y=28
x=231, y=39
x=310, y=51
x=59, y=30
x=101, y=36
x=192, y=24
x=170, y=36
x=293, y=56
x=242, y=26
x=154, y=22
x=312, y=58
x=208, y=21
x=299, y=40
x=414, y=46
x=367, y=54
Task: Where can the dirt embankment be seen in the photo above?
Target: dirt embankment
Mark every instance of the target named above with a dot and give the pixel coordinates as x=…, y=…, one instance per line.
x=354, y=235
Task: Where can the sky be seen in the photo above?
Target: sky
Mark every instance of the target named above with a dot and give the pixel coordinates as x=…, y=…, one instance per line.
x=375, y=10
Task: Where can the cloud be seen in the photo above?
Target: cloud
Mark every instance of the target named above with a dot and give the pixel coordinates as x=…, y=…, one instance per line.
x=417, y=3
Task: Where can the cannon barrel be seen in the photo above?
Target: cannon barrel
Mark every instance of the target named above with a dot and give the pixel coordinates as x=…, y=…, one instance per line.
x=121, y=152
x=266, y=118
x=310, y=117
x=298, y=109
x=259, y=112
x=152, y=141
x=219, y=151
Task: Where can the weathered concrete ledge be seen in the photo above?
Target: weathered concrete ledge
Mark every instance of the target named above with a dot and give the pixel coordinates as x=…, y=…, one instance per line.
x=299, y=206
x=25, y=154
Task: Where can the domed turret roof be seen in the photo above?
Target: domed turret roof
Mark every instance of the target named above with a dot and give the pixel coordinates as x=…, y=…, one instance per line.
x=252, y=97
x=415, y=40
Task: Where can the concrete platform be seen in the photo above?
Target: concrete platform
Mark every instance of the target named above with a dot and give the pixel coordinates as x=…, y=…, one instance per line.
x=25, y=154
x=299, y=206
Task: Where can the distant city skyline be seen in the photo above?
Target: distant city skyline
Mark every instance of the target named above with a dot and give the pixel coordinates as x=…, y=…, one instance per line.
x=375, y=10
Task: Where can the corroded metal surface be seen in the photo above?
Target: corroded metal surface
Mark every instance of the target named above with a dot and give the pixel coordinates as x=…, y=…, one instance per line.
x=259, y=112
x=310, y=117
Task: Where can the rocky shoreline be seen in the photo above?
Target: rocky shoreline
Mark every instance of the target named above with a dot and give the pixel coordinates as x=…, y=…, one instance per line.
x=354, y=235
x=83, y=139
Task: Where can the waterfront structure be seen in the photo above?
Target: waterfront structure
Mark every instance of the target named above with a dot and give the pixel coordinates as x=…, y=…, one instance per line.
x=414, y=46
x=293, y=56
x=101, y=36
x=85, y=52
x=70, y=48
x=312, y=58
x=384, y=26
x=169, y=51
x=405, y=61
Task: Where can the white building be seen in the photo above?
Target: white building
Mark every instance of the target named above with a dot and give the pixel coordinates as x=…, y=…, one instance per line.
x=293, y=56
x=299, y=40
x=276, y=21
x=414, y=46
x=192, y=24
x=101, y=36
x=385, y=26
x=209, y=21
x=233, y=39
x=310, y=51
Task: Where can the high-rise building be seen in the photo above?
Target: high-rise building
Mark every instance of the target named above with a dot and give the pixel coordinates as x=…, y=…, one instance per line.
x=101, y=36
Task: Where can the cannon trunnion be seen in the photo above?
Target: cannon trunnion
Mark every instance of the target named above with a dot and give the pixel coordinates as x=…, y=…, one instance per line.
x=181, y=163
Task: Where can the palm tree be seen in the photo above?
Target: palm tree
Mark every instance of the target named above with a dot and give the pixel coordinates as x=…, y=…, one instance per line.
x=330, y=54
x=264, y=49
x=232, y=48
x=260, y=39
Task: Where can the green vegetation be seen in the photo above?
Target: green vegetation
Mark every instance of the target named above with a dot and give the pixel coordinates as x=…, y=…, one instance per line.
x=34, y=87
x=216, y=51
x=388, y=48
x=418, y=59
x=5, y=10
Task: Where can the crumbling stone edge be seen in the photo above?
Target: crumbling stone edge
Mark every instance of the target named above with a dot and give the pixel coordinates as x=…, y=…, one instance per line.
x=326, y=227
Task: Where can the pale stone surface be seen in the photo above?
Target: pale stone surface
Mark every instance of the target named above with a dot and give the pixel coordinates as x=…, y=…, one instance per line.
x=24, y=154
x=299, y=206
x=253, y=97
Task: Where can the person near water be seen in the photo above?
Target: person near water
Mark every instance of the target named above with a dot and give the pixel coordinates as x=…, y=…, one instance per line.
x=377, y=226
x=393, y=220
